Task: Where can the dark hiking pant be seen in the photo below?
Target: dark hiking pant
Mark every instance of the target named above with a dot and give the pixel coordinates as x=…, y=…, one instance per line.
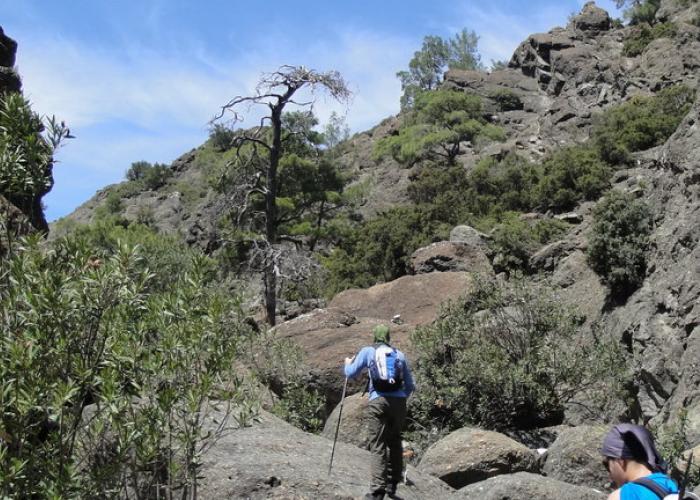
x=386, y=416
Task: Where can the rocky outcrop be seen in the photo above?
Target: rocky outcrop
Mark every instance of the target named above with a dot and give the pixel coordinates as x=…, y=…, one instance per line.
x=272, y=459
x=328, y=336
x=526, y=485
x=470, y=455
x=574, y=457
x=592, y=20
x=9, y=79
x=450, y=256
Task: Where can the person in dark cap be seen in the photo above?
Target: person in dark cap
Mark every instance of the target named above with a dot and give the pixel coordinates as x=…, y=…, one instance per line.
x=390, y=384
x=634, y=465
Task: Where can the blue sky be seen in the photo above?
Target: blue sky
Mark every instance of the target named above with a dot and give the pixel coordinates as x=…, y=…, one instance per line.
x=140, y=80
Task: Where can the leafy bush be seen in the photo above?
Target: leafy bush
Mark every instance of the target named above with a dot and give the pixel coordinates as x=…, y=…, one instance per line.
x=166, y=256
x=643, y=11
x=571, y=175
x=509, y=358
x=380, y=249
x=105, y=384
x=150, y=176
x=506, y=99
x=641, y=123
x=619, y=240
x=639, y=39
x=302, y=407
x=514, y=240
x=278, y=363
x=221, y=137
x=27, y=144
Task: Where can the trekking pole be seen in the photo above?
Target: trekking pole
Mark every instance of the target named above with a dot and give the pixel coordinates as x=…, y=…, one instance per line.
x=686, y=475
x=337, y=427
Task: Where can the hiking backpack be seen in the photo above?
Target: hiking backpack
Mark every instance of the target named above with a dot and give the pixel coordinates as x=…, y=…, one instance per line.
x=662, y=492
x=386, y=369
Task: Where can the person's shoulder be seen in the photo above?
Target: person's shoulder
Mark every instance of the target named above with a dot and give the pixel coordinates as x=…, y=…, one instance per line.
x=615, y=495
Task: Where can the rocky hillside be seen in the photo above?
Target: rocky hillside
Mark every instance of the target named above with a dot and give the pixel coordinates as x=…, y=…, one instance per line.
x=550, y=96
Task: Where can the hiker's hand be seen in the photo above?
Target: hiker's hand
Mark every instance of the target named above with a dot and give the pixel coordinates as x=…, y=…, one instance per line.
x=348, y=361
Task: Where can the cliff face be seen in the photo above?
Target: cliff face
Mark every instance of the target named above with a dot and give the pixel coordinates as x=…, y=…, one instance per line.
x=560, y=81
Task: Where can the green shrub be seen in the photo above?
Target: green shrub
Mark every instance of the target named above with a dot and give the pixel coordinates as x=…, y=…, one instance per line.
x=302, y=407
x=380, y=248
x=509, y=358
x=279, y=364
x=165, y=255
x=643, y=11
x=105, y=381
x=618, y=241
x=571, y=175
x=27, y=144
x=514, y=240
x=113, y=203
x=641, y=123
x=506, y=99
x=645, y=34
x=221, y=137
x=150, y=176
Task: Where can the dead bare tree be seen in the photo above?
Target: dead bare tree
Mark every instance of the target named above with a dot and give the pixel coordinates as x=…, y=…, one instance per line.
x=259, y=149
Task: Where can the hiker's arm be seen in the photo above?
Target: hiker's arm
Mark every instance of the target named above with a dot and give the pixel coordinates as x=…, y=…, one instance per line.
x=409, y=386
x=355, y=367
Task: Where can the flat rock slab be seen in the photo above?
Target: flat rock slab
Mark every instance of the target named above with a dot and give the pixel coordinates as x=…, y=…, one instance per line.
x=526, y=485
x=470, y=455
x=416, y=298
x=272, y=459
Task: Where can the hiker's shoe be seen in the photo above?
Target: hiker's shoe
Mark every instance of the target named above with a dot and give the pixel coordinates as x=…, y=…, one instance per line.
x=377, y=495
x=391, y=490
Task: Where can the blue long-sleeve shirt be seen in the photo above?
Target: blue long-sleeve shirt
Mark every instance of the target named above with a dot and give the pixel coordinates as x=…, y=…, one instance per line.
x=362, y=361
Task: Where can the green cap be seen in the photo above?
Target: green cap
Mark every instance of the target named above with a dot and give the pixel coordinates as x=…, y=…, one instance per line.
x=381, y=334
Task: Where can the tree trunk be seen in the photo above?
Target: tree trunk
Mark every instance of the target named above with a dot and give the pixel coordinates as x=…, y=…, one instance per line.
x=271, y=214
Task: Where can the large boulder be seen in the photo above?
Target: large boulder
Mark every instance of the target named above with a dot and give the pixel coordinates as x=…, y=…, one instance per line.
x=469, y=236
x=353, y=424
x=469, y=455
x=328, y=336
x=526, y=485
x=574, y=457
x=416, y=298
x=272, y=459
x=445, y=256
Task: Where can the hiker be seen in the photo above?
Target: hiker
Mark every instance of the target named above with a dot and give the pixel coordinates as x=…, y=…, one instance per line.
x=634, y=465
x=390, y=383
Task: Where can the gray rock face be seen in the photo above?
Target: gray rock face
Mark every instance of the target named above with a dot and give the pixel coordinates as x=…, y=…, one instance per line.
x=526, y=485
x=272, y=459
x=469, y=236
x=574, y=457
x=9, y=80
x=450, y=256
x=469, y=455
x=591, y=19
x=353, y=424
